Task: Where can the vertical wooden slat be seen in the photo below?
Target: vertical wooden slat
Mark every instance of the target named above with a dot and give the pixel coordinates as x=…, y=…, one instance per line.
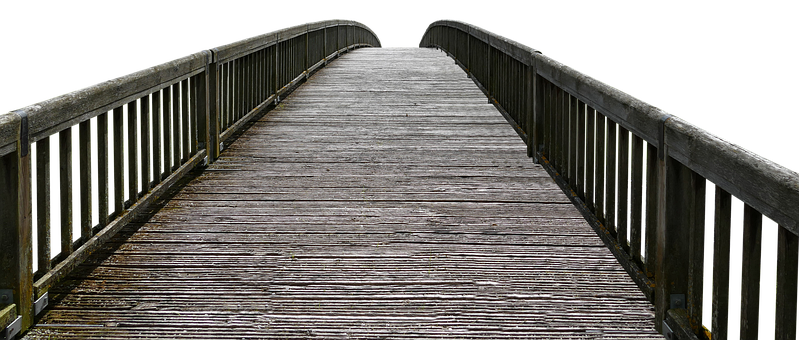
x=119, y=167
x=750, y=272
x=601, y=154
x=579, y=171
x=696, y=254
x=102, y=169
x=721, y=264
x=571, y=113
x=184, y=121
x=176, y=126
x=623, y=185
x=145, y=143
x=65, y=170
x=636, y=197
x=43, y=203
x=610, y=175
x=157, y=147
x=133, y=176
x=787, y=268
x=590, y=164
x=651, y=208
x=166, y=123
x=194, y=113
x=85, y=144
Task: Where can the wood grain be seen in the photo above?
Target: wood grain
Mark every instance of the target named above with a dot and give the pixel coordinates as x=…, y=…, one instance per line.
x=383, y=199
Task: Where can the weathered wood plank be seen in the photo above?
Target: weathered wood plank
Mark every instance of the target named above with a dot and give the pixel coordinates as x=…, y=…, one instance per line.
x=383, y=199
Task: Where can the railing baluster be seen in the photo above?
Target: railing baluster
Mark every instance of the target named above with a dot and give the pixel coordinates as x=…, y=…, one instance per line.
x=651, y=208
x=175, y=126
x=119, y=177
x=102, y=169
x=610, y=174
x=623, y=186
x=590, y=163
x=85, y=145
x=721, y=264
x=133, y=177
x=65, y=169
x=750, y=273
x=574, y=159
x=636, y=197
x=43, y=204
x=166, y=103
x=601, y=154
x=184, y=121
x=194, y=113
x=580, y=174
x=157, y=147
x=145, y=143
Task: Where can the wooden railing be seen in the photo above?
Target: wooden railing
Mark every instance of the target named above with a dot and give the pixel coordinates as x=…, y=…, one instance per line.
x=154, y=126
x=599, y=143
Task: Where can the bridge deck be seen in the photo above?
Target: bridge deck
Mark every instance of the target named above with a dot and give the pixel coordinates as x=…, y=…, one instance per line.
x=383, y=199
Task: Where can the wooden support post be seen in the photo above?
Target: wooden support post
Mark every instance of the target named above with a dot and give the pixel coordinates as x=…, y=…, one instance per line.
x=16, y=261
x=529, y=108
x=787, y=265
x=679, y=253
x=212, y=109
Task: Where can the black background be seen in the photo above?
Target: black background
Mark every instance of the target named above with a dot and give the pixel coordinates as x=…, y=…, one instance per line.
x=724, y=69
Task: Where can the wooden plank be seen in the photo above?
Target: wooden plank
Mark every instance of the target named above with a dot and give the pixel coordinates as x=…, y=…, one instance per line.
x=175, y=127
x=184, y=120
x=610, y=176
x=600, y=158
x=651, y=202
x=166, y=130
x=156, y=138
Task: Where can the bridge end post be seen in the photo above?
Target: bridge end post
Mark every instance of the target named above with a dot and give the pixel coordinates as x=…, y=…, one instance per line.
x=679, y=255
x=16, y=259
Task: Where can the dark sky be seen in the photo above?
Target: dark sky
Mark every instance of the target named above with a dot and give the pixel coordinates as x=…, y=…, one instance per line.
x=717, y=71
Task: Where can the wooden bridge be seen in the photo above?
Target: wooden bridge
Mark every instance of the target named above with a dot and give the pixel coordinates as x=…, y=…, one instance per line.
x=385, y=197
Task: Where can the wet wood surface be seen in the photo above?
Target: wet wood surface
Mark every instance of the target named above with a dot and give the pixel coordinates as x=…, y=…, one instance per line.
x=383, y=199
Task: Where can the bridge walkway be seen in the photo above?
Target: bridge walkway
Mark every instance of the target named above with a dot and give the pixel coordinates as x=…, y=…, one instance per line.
x=385, y=198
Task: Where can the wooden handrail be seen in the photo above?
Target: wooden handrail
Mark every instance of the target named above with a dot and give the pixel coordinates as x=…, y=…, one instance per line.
x=176, y=114
x=570, y=122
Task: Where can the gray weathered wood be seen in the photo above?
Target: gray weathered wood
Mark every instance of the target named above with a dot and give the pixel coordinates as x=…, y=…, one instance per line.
x=85, y=180
x=787, y=268
x=374, y=227
x=721, y=264
x=65, y=192
x=43, y=222
x=750, y=273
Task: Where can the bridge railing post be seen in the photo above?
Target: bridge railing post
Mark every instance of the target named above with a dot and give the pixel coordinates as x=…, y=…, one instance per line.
x=212, y=108
x=16, y=261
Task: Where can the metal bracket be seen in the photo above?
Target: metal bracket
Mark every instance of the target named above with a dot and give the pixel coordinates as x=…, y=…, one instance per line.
x=667, y=332
x=40, y=304
x=6, y=296
x=12, y=330
x=677, y=301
